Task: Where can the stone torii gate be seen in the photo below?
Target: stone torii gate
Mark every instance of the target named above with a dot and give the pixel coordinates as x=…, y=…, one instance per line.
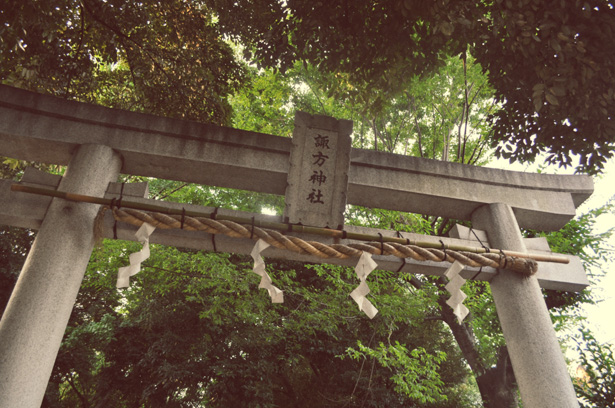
x=99, y=143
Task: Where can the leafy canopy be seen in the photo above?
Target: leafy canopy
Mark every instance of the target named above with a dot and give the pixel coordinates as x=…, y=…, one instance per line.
x=161, y=57
x=548, y=61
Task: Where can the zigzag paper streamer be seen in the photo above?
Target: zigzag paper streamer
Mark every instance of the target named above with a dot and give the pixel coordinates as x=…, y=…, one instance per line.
x=277, y=296
x=125, y=272
x=365, y=266
x=454, y=288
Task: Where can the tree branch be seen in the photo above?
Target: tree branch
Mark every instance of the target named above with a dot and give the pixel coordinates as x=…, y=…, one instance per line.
x=462, y=333
x=70, y=381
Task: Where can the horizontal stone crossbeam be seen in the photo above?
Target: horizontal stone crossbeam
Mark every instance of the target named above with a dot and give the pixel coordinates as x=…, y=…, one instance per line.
x=47, y=129
x=28, y=211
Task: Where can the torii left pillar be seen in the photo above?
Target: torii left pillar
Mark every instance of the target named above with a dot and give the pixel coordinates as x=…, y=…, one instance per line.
x=38, y=311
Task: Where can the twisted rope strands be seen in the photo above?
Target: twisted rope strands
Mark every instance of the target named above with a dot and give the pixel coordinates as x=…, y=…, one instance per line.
x=278, y=240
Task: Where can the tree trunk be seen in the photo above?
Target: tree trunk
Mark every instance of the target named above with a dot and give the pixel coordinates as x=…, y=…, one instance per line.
x=497, y=385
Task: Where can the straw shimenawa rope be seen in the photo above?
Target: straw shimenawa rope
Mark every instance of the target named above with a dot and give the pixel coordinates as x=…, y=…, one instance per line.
x=526, y=267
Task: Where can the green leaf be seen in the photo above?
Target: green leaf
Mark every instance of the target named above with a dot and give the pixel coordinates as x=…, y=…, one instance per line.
x=552, y=99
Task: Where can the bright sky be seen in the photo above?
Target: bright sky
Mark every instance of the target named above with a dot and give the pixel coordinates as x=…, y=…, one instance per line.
x=601, y=315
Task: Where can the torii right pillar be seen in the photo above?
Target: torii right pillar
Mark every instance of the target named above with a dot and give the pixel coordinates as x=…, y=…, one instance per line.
x=535, y=354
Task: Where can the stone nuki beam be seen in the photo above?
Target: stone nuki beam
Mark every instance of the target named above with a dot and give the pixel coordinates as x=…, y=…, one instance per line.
x=28, y=210
x=47, y=129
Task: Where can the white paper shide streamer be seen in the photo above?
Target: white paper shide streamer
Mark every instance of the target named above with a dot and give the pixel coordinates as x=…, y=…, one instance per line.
x=124, y=273
x=365, y=266
x=277, y=296
x=454, y=288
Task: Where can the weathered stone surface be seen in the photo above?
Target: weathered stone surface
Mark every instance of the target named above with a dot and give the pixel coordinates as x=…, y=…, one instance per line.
x=47, y=129
x=36, y=315
x=535, y=353
x=318, y=175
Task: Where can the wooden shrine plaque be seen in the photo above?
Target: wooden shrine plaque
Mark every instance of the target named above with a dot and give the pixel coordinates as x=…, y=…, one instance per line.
x=318, y=173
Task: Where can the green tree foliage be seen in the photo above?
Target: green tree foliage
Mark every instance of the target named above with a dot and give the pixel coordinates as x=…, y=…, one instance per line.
x=549, y=61
x=264, y=106
x=546, y=59
x=194, y=330
x=440, y=116
x=598, y=388
x=161, y=57
x=410, y=366
x=14, y=246
x=578, y=238
x=450, y=102
x=382, y=43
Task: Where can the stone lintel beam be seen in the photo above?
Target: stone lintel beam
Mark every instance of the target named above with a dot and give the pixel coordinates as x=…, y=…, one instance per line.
x=46, y=129
x=27, y=210
x=455, y=191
